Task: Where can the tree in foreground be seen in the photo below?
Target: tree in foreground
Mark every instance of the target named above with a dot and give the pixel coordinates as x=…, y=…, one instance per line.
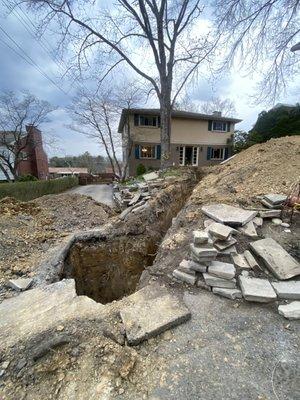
x=156, y=39
x=259, y=35
x=17, y=112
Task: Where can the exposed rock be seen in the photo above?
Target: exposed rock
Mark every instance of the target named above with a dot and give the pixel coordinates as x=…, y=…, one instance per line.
x=287, y=290
x=270, y=214
x=212, y=280
x=222, y=269
x=229, y=215
x=276, y=259
x=275, y=198
x=150, y=177
x=240, y=261
x=291, y=310
x=135, y=199
x=255, y=289
x=229, y=293
x=193, y=265
x=147, y=318
x=258, y=221
x=285, y=225
x=20, y=284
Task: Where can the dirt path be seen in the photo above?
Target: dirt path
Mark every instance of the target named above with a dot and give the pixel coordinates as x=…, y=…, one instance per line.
x=100, y=193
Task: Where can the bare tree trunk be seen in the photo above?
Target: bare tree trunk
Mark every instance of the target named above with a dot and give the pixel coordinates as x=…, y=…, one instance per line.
x=165, y=127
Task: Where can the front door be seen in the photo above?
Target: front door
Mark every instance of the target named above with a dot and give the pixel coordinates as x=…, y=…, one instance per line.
x=188, y=155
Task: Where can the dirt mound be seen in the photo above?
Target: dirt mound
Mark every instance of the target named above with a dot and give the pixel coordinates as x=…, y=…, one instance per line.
x=29, y=229
x=271, y=167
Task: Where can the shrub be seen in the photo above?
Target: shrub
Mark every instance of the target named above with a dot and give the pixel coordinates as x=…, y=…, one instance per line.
x=140, y=169
x=29, y=190
x=27, y=178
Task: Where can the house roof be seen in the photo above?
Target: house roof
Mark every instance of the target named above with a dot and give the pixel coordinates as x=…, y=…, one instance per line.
x=67, y=170
x=175, y=114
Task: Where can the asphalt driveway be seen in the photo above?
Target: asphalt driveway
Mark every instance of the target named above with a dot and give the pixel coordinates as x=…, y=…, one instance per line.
x=99, y=192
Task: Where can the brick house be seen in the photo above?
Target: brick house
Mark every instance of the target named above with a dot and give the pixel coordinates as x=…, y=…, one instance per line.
x=196, y=139
x=34, y=158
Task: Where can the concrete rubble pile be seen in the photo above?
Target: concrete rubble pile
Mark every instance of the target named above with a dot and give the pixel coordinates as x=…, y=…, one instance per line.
x=248, y=274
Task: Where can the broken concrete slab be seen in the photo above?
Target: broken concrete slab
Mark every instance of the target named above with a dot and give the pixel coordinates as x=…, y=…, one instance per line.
x=270, y=214
x=276, y=259
x=219, y=231
x=224, y=244
x=150, y=317
x=203, y=252
x=151, y=176
x=135, y=199
x=20, y=284
x=240, y=261
x=249, y=230
x=222, y=269
x=256, y=289
x=184, y=276
x=258, y=221
x=232, y=216
x=251, y=260
x=287, y=290
x=228, y=293
x=212, y=280
x=230, y=250
x=208, y=222
x=291, y=310
x=200, y=237
x=267, y=204
x=275, y=198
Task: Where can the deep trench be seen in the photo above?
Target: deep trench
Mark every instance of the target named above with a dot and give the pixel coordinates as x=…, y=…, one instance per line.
x=109, y=268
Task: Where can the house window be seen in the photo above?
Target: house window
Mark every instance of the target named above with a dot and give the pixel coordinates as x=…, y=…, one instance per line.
x=147, y=151
x=148, y=120
x=181, y=155
x=219, y=126
x=195, y=156
x=217, y=154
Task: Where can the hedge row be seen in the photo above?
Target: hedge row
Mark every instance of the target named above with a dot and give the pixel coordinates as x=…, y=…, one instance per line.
x=25, y=191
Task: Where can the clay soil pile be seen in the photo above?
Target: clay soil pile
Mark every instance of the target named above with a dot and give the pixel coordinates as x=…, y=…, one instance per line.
x=271, y=167
x=28, y=230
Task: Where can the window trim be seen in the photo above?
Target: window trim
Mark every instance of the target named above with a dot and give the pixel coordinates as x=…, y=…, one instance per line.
x=217, y=148
x=148, y=158
x=182, y=155
x=148, y=126
x=219, y=130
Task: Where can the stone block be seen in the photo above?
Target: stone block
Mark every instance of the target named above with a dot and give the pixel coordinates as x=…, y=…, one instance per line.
x=230, y=250
x=276, y=259
x=255, y=289
x=150, y=317
x=220, y=231
x=258, y=221
x=224, y=244
x=20, y=284
x=291, y=310
x=195, y=266
x=287, y=290
x=270, y=205
x=275, y=198
x=185, y=267
x=229, y=215
x=222, y=269
x=212, y=280
x=151, y=176
x=240, y=261
x=251, y=260
x=270, y=214
x=184, y=277
x=228, y=293
x=200, y=237
x=204, y=253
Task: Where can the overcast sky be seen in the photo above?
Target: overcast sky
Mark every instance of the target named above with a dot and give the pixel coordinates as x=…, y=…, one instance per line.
x=18, y=75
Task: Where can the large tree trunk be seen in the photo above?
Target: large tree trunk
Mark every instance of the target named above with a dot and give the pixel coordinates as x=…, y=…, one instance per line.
x=165, y=130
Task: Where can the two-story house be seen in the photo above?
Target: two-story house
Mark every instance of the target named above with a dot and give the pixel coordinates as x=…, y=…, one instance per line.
x=196, y=139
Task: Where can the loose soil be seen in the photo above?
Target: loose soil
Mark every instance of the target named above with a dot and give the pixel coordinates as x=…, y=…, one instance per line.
x=29, y=229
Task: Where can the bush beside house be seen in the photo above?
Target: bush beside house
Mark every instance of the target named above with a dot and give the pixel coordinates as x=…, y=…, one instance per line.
x=30, y=190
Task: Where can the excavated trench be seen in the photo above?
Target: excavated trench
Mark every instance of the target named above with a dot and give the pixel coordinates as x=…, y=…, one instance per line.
x=109, y=267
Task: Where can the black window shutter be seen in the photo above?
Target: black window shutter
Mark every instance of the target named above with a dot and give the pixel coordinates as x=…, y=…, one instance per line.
x=226, y=153
x=137, y=151
x=228, y=126
x=209, y=125
x=136, y=119
x=208, y=153
x=158, y=152
x=158, y=121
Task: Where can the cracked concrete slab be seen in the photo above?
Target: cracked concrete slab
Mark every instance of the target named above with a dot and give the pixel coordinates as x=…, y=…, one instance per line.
x=232, y=216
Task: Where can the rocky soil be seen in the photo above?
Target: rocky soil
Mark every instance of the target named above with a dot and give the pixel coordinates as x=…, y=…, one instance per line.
x=29, y=229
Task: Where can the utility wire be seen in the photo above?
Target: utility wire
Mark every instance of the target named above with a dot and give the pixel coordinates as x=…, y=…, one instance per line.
x=31, y=61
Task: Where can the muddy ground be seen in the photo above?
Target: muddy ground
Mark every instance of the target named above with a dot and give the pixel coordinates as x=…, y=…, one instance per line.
x=230, y=349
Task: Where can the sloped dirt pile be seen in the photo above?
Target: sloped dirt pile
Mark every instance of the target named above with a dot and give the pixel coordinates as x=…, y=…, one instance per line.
x=29, y=229
x=263, y=168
